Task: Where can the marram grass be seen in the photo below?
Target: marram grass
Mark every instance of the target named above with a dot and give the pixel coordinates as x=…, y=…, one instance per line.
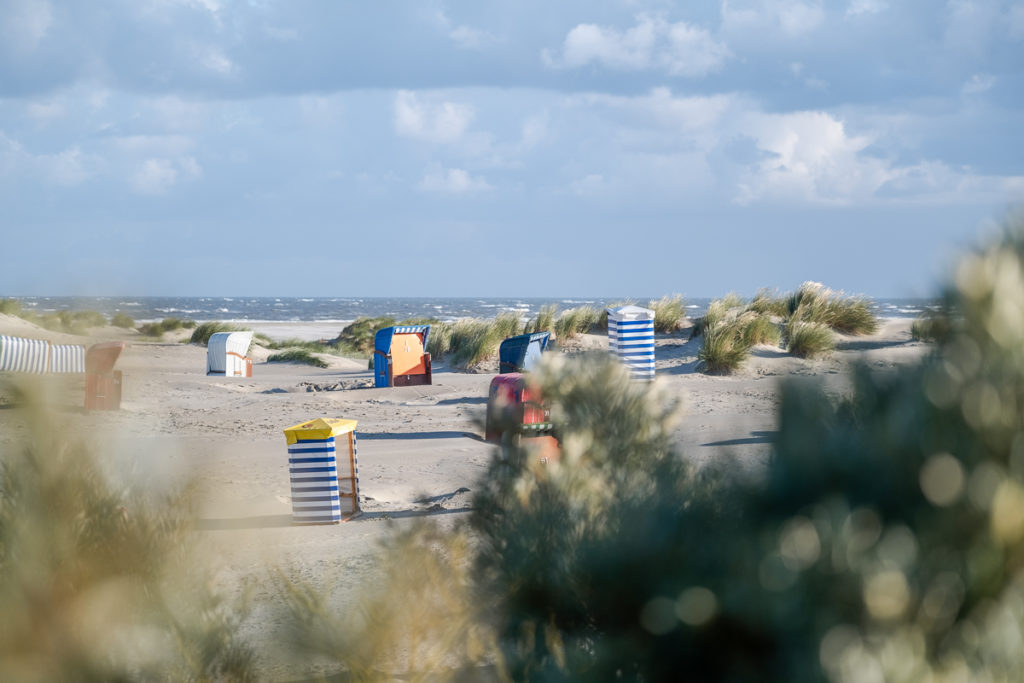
x=809, y=339
x=98, y=581
x=669, y=313
x=302, y=356
x=202, y=333
x=724, y=348
x=576, y=321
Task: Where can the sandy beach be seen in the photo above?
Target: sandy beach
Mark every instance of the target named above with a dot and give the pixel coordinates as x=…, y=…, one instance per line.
x=420, y=448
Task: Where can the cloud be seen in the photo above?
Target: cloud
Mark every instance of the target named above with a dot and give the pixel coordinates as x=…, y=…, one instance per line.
x=652, y=44
x=452, y=181
x=438, y=122
x=25, y=23
x=979, y=83
x=790, y=17
x=811, y=158
x=157, y=176
x=859, y=7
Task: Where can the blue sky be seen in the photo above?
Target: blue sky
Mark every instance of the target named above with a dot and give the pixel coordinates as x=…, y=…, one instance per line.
x=571, y=148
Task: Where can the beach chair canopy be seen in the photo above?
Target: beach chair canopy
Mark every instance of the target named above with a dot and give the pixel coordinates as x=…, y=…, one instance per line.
x=100, y=358
x=522, y=353
x=225, y=352
x=631, y=339
x=401, y=352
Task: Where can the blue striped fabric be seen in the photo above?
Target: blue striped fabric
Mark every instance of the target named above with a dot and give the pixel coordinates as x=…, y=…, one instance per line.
x=313, y=470
x=67, y=358
x=24, y=355
x=631, y=339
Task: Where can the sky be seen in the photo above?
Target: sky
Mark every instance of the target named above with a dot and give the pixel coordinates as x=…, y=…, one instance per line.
x=512, y=148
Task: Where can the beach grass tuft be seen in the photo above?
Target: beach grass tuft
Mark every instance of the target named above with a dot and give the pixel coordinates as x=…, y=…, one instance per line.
x=576, y=321
x=669, y=313
x=815, y=303
x=758, y=328
x=544, y=322
x=809, y=339
x=724, y=348
x=100, y=581
x=202, y=333
x=719, y=310
x=303, y=356
x=122, y=320
x=769, y=303
x=930, y=328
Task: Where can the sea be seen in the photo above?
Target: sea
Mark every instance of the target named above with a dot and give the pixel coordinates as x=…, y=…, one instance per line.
x=343, y=310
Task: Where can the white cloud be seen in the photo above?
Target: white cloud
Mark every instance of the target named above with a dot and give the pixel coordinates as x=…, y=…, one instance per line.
x=859, y=7
x=790, y=17
x=979, y=83
x=679, y=49
x=65, y=168
x=157, y=176
x=472, y=38
x=437, y=122
x=811, y=158
x=25, y=23
x=216, y=61
x=452, y=181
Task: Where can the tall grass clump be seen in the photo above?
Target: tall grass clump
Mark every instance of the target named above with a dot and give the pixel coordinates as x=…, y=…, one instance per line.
x=809, y=339
x=576, y=321
x=202, y=333
x=725, y=347
x=474, y=340
x=768, y=303
x=358, y=336
x=728, y=307
x=758, y=328
x=158, y=329
x=302, y=356
x=544, y=322
x=99, y=581
x=122, y=320
x=815, y=303
x=439, y=343
x=10, y=307
x=934, y=327
x=669, y=313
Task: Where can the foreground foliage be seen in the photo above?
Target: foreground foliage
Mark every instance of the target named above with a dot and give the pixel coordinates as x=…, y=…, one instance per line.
x=97, y=583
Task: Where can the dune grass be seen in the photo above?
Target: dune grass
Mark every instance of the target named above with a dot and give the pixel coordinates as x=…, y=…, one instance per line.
x=302, y=356
x=474, y=340
x=99, y=580
x=758, y=328
x=122, y=320
x=809, y=339
x=718, y=311
x=669, y=313
x=543, y=322
x=766, y=302
x=202, y=333
x=724, y=349
x=576, y=321
x=815, y=303
x=166, y=325
x=935, y=327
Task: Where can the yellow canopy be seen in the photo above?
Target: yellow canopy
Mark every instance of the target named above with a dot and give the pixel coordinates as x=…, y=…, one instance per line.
x=318, y=429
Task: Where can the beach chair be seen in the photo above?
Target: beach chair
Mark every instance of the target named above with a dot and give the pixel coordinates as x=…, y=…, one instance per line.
x=631, y=339
x=400, y=357
x=323, y=466
x=225, y=354
x=103, y=383
x=512, y=401
x=522, y=353
x=24, y=355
